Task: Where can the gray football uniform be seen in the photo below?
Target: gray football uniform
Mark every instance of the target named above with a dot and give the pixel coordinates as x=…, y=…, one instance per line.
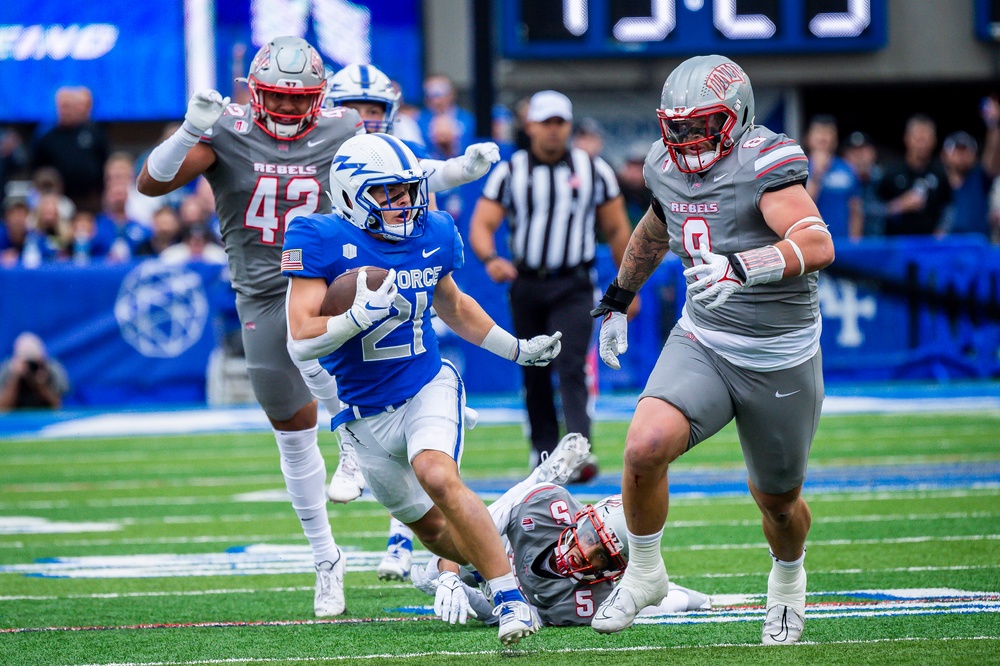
x=709, y=367
x=260, y=184
x=534, y=528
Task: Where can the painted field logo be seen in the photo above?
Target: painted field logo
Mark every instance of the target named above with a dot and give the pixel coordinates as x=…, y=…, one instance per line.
x=161, y=309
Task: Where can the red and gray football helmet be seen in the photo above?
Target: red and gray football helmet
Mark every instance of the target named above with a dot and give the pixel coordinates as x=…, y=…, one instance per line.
x=595, y=547
x=705, y=107
x=286, y=66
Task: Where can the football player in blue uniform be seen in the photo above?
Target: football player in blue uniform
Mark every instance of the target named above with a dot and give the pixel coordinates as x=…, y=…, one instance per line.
x=403, y=406
x=367, y=90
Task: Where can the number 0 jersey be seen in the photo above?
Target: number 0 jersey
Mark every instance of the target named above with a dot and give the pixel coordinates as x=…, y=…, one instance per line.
x=396, y=357
x=719, y=209
x=262, y=183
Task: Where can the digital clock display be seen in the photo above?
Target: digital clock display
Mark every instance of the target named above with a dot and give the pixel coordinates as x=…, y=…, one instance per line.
x=608, y=28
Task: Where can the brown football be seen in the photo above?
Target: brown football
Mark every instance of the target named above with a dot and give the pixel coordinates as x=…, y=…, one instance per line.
x=340, y=294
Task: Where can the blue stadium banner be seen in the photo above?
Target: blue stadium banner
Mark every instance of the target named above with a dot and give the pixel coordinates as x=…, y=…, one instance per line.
x=131, y=55
x=131, y=333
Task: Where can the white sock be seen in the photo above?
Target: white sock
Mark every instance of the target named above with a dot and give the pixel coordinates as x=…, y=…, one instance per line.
x=400, y=536
x=645, y=561
x=786, y=584
x=505, y=583
x=304, y=470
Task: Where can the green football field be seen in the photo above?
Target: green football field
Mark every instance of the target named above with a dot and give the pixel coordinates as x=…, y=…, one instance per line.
x=182, y=550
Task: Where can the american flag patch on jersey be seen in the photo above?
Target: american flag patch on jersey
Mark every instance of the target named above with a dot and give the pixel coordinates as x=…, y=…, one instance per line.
x=291, y=260
x=527, y=524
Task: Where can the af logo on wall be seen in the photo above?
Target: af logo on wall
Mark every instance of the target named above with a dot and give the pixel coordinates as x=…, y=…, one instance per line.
x=161, y=309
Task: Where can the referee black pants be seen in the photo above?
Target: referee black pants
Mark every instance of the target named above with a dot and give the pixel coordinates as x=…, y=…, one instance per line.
x=543, y=306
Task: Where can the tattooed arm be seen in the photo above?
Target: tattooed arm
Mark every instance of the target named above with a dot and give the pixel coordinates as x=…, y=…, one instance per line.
x=646, y=248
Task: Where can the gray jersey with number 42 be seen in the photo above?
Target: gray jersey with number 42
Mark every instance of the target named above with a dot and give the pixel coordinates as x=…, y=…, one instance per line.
x=720, y=209
x=262, y=183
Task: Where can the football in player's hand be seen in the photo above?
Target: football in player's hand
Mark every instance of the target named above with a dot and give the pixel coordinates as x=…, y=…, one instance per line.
x=340, y=294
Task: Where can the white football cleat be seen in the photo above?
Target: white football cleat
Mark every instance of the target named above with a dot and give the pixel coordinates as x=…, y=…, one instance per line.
x=347, y=483
x=628, y=598
x=396, y=563
x=329, y=599
x=517, y=619
x=572, y=452
x=783, y=625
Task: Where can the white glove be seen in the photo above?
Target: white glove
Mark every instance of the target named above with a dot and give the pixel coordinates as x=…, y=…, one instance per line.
x=425, y=578
x=451, y=604
x=539, y=350
x=478, y=159
x=205, y=108
x=373, y=306
x=716, y=277
x=613, y=338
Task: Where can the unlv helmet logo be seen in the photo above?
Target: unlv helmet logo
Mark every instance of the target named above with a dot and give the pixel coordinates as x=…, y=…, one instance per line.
x=722, y=77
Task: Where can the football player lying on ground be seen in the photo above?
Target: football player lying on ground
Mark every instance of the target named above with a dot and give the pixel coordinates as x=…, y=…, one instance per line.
x=566, y=556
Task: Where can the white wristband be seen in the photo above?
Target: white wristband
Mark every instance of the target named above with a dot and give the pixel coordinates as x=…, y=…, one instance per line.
x=165, y=160
x=339, y=329
x=798, y=255
x=762, y=264
x=501, y=343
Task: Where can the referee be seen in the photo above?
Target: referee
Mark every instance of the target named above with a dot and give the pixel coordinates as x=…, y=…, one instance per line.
x=554, y=199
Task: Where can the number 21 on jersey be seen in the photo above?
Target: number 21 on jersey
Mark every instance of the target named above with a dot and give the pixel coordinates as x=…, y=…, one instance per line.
x=262, y=211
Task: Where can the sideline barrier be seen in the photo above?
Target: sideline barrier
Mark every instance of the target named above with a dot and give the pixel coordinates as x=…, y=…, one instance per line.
x=143, y=332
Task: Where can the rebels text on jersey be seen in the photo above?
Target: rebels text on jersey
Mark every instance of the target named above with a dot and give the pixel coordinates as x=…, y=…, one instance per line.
x=533, y=530
x=262, y=183
x=719, y=210
x=396, y=357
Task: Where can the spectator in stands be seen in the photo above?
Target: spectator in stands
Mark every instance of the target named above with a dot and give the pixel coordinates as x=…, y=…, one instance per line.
x=994, y=212
x=861, y=155
x=444, y=138
x=76, y=147
x=405, y=125
x=14, y=231
x=439, y=101
x=51, y=226
x=120, y=170
x=832, y=183
x=166, y=233
x=84, y=229
x=13, y=158
x=588, y=135
x=118, y=235
x=916, y=190
x=29, y=378
x=47, y=180
x=197, y=245
x=633, y=184
x=971, y=179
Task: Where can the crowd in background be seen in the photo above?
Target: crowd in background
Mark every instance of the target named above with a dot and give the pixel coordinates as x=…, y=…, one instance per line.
x=68, y=196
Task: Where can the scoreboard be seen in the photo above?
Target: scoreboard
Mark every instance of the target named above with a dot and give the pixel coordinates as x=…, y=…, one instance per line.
x=609, y=28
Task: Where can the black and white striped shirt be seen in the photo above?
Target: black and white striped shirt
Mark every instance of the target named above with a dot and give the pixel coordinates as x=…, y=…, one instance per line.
x=551, y=208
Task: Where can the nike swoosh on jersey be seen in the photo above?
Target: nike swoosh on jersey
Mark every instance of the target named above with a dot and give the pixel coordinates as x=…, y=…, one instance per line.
x=779, y=394
x=718, y=178
x=427, y=254
x=314, y=143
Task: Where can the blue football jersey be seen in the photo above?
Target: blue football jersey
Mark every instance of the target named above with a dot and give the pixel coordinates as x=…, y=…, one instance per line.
x=396, y=357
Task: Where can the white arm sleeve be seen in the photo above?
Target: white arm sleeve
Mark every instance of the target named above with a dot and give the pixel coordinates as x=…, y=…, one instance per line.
x=339, y=329
x=165, y=160
x=437, y=180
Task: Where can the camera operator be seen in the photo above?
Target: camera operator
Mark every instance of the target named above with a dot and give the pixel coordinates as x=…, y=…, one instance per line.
x=29, y=379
